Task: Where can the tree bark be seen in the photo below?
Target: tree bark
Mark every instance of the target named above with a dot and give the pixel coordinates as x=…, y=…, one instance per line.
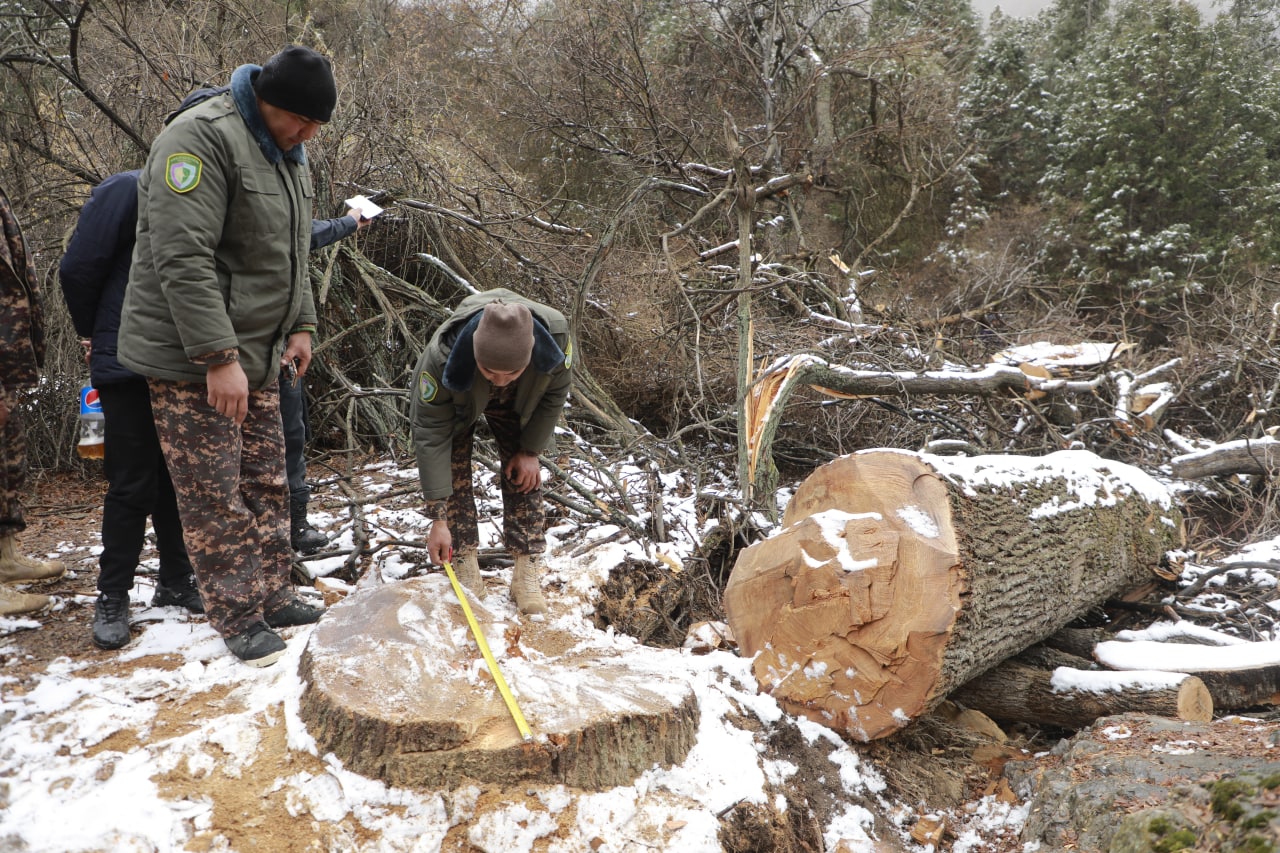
x=1017, y=692
x=1078, y=641
x=1246, y=456
x=1236, y=675
x=898, y=577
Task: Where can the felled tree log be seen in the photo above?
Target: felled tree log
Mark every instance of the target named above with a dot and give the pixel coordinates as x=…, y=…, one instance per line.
x=898, y=577
x=1069, y=698
x=1078, y=641
x=1238, y=676
x=396, y=689
x=1246, y=456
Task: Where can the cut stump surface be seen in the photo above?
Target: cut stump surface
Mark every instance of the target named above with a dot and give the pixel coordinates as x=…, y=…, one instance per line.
x=396, y=688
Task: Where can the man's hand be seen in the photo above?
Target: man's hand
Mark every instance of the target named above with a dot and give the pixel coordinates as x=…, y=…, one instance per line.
x=298, y=350
x=229, y=390
x=524, y=471
x=439, y=542
x=361, y=222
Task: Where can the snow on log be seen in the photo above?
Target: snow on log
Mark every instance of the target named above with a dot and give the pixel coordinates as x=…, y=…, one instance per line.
x=396, y=688
x=1238, y=674
x=897, y=577
x=1073, y=698
x=1246, y=456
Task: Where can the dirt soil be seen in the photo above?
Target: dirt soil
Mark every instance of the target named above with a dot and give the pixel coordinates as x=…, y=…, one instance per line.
x=936, y=765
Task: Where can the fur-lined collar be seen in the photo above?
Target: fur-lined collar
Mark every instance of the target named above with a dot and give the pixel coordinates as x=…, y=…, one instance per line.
x=247, y=103
x=460, y=369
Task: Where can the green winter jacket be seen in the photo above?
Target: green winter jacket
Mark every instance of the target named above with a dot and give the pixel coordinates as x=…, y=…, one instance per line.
x=224, y=227
x=449, y=394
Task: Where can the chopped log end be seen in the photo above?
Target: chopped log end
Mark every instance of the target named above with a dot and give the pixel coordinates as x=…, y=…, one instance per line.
x=1195, y=704
x=842, y=635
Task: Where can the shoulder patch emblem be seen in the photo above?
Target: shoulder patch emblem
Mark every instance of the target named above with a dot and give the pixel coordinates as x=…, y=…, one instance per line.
x=568, y=355
x=182, y=172
x=427, y=387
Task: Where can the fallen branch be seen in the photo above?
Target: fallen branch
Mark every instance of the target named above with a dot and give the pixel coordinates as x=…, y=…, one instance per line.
x=1245, y=456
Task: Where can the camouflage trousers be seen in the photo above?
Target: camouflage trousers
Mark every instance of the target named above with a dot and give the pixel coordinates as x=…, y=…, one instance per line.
x=523, y=515
x=13, y=467
x=232, y=499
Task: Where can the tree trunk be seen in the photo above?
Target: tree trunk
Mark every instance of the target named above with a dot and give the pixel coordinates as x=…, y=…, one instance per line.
x=1239, y=676
x=1246, y=456
x=1074, y=698
x=898, y=577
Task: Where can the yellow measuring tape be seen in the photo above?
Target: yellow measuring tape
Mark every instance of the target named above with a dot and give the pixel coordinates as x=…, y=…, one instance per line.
x=525, y=731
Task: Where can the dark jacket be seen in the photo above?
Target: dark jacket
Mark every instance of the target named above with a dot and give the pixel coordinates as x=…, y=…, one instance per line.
x=95, y=270
x=224, y=227
x=21, y=320
x=450, y=394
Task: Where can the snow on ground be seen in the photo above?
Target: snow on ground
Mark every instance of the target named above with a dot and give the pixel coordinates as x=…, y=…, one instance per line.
x=83, y=742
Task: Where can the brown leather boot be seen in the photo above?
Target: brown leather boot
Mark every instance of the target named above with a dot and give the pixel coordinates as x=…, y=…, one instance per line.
x=526, y=584
x=19, y=568
x=467, y=568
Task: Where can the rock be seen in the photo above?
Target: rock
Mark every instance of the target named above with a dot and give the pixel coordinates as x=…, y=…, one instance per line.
x=1139, y=783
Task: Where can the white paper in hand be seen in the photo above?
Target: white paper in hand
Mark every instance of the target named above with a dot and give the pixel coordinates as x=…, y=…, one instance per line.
x=363, y=206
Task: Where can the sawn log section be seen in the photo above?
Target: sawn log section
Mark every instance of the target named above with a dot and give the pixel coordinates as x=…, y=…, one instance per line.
x=395, y=688
x=897, y=576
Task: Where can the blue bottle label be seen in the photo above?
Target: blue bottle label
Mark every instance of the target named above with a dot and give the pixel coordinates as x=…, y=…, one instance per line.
x=89, y=402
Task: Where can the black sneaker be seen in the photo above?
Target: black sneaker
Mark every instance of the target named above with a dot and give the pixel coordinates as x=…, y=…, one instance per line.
x=296, y=612
x=305, y=539
x=180, y=593
x=257, y=645
x=111, y=620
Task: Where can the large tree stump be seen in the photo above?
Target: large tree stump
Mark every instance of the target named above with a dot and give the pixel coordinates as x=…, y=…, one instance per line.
x=898, y=576
x=396, y=689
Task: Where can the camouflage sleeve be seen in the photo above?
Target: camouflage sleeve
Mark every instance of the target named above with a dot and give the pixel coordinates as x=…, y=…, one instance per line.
x=222, y=356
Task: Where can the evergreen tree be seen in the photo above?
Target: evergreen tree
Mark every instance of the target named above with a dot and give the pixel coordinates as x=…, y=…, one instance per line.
x=1162, y=168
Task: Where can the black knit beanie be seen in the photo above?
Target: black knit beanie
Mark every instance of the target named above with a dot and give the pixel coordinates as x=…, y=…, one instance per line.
x=299, y=80
x=503, y=341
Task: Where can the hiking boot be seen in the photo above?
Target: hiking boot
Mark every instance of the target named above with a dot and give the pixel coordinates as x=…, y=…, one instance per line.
x=296, y=612
x=467, y=568
x=303, y=538
x=19, y=568
x=14, y=602
x=526, y=584
x=257, y=645
x=111, y=620
x=180, y=593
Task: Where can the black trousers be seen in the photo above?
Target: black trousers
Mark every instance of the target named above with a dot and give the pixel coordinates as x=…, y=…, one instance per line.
x=138, y=486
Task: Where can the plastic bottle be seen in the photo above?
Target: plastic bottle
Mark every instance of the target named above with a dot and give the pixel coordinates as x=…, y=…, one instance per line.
x=92, y=424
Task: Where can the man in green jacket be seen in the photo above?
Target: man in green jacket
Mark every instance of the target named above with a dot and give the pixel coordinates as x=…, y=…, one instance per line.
x=218, y=299
x=508, y=358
